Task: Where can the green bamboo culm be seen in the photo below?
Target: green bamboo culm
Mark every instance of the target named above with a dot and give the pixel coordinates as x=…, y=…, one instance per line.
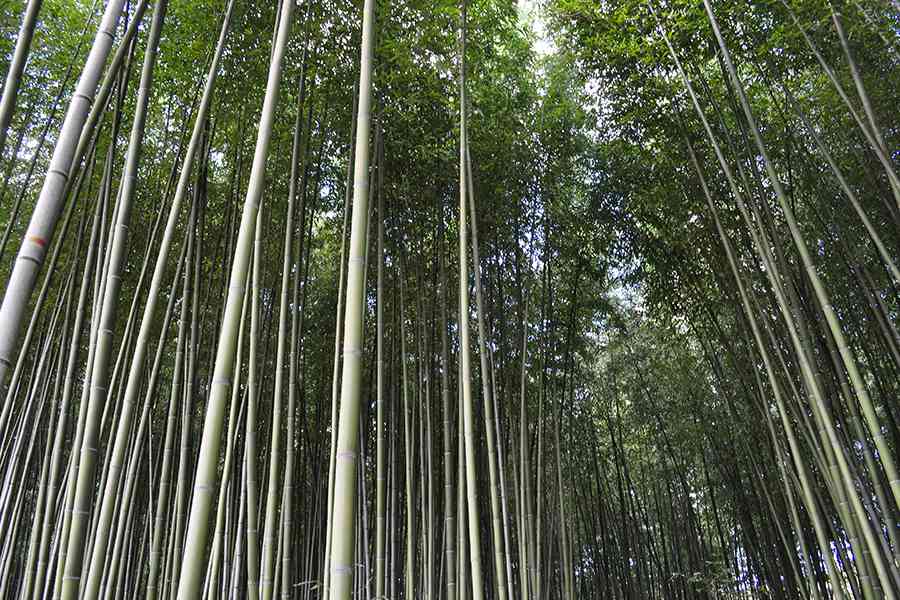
x=343, y=516
x=205, y=480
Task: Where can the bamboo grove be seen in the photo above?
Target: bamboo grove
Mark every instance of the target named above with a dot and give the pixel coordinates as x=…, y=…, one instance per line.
x=463, y=299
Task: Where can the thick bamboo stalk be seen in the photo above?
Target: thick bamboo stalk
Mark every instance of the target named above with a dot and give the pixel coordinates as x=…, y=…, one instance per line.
x=49, y=204
x=346, y=452
x=205, y=481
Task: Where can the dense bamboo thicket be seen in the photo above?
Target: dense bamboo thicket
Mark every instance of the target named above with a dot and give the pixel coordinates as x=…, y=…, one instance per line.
x=462, y=300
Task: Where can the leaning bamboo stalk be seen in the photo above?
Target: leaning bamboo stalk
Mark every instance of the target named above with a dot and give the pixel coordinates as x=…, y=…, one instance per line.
x=80, y=541
x=57, y=446
x=205, y=482
x=72, y=467
x=831, y=318
x=408, y=445
x=234, y=416
x=267, y=570
x=49, y=204
x=124, y=497
x=838, y=21
x=17, y=67
x=886, y=258
x=831, y=445
x=42, y=138
x=269, y=535
x=251, y=458
x=815, y=387
x=156, y=546
x=42, y=504
x=810, y=504
x=6, y=411
x=110, y=305
x=12, y=527
x=501, y=460
x=870, y=136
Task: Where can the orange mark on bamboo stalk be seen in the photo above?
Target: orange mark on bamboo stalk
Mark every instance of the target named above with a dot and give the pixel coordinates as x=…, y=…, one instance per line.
x=38, y=240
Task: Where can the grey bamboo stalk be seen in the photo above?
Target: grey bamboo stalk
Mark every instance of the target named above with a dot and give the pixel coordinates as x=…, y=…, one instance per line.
x=39, y=303
x=122, y=57
x=487, y=397
x=87, y=141
x=51, y=117
x=49, y=203
x=464, y=345
x=17, y=67
x=341, y=525
x=191, y=580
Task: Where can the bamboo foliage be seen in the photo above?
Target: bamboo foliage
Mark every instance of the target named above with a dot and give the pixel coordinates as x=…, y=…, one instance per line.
x=676, y=236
